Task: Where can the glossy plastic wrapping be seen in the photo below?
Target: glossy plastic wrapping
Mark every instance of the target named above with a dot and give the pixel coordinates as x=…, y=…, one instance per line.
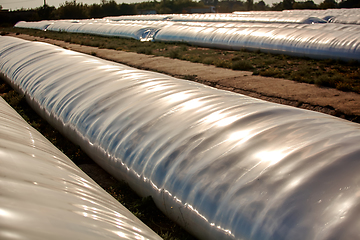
x=299, y=33
x=106, y=28
x=44, y=195
x=223, y=165
x=315, y=43
x=344, y=16
x=262, y=17
x=41, y=25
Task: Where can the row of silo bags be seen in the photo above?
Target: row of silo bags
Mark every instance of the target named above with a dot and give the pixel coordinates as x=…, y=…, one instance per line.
x=41, y=25
x=282, y=34
x=260, y=17
x=129, y=28
x=44, y=195
x=320, y=41
x=222, y=165
x=102, y=27
x=344, y=16
x=106, y=28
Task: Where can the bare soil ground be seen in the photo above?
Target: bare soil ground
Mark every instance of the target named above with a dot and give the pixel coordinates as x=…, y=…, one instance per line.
x=303, y=95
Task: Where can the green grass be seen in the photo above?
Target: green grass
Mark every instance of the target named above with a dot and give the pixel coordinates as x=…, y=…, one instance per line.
x=144, y=50
x=344, y=76
x=143, y=208
x=241, y=65
x=175, y=53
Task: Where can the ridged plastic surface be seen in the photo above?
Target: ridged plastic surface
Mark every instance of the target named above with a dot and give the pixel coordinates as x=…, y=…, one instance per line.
x=223, y=165
x=344, y=16
x=41, y=25
x=106, y=28
x=314, y=34
x=45, y=196
x=310, y=42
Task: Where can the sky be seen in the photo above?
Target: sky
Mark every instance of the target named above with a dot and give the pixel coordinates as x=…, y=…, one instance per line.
x=18, y=4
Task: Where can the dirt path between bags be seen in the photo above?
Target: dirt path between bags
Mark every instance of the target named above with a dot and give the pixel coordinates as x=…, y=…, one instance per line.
x=303, y=95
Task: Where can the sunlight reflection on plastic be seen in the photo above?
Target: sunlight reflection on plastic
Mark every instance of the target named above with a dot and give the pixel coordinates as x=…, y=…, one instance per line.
x=40, y=186
x=223, y=165
x=271, y=157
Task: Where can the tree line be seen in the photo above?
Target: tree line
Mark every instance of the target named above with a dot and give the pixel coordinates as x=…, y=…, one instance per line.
x=78, y=10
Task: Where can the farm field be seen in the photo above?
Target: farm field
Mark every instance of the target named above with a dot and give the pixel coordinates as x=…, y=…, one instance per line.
x=326, y=86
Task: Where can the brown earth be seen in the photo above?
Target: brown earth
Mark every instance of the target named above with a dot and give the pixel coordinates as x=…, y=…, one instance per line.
x=303, y=95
